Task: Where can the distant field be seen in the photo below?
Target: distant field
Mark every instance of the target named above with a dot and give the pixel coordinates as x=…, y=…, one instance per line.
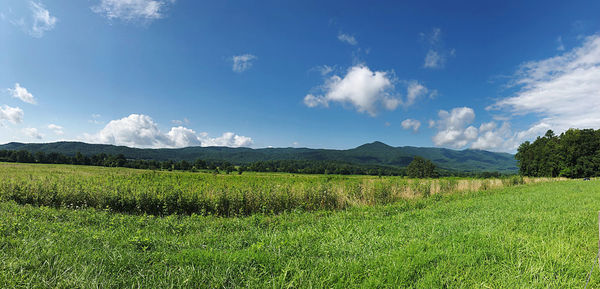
x=530, y=236
x=164, y=193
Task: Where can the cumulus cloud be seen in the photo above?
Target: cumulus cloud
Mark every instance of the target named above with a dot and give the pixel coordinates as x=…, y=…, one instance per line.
x=243, y=62
x=11, y=114
x=411, y=124
x=365, y=90
x=57, y=129
x=132, y=10
x=22, y=94
x=563, y=91
x=228, y=139
x=493, y=138
x=416, y=90
x=138, y=130
x=454, y=129
x=42, y=20
x=183, y=137
x=32, y=133
x=347, y=38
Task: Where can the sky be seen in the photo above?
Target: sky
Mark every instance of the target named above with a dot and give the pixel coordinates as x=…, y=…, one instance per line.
x=319, y=74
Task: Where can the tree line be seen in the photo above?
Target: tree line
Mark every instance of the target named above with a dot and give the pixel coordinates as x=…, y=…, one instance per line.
x=119, y=160
x=573, y=154
x=418, y=168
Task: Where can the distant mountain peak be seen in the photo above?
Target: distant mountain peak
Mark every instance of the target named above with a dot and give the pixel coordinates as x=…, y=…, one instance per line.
x=375, y=144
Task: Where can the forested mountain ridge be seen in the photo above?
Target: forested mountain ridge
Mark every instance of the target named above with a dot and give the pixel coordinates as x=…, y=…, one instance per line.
x=376, y=153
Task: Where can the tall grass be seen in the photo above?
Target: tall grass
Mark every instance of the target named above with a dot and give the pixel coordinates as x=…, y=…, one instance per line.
x=164, y=193
x=535, y=236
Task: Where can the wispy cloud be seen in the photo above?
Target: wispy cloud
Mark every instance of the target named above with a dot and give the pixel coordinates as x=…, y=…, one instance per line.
x=563, y=91
x=36, y=24
x=347, y=38
x=560, y=45
x=180, y=122
x=42, y=20
x=437, y=54
x=96, y=119
x=57, y=129
x=242, y=62
x=324, y=69
x=132, y=10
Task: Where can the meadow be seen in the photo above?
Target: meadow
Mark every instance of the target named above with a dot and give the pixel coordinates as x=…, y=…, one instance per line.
x=164, y=193
x=536, y=235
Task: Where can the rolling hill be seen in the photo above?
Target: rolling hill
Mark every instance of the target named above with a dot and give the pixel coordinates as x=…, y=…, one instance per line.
x=376, y=153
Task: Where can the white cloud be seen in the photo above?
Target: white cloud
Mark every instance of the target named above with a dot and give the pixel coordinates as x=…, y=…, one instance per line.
x=180, y=122
x=12, y=114
x=453, y=128
x=493, y=138
x=57, y=129
x=563, y=91
x=183, y=137
x=132, y=10
x=431, y=123
x=228, y=139
x=324, y=69
x=42, y=20
x=95, y=117
x=434, y=37
x=347, y=38
x=411, y=124
x=135, y=130
x=414, y=91
x=22, y=94
x=362, y=88
x=243, y=62
x=437, y=54
x=32, y=133
x=433, y=59
x=138, y=130
x=561, y=45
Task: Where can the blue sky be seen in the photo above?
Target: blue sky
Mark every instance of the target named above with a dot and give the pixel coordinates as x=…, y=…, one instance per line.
x=164, y=73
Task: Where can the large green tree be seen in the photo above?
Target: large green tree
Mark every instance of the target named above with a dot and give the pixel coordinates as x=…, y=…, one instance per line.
x=421, y=168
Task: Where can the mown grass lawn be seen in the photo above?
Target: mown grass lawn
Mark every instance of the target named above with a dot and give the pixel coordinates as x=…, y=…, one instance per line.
x=531, y=236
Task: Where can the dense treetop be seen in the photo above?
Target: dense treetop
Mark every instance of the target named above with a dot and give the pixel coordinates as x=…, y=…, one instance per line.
x=573, y=154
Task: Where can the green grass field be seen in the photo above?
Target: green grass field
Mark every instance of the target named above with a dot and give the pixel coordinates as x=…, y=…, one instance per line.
x=164, y=193
x=541, y=235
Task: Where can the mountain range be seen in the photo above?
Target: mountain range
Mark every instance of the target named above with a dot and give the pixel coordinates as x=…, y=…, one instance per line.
x=376, y=153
